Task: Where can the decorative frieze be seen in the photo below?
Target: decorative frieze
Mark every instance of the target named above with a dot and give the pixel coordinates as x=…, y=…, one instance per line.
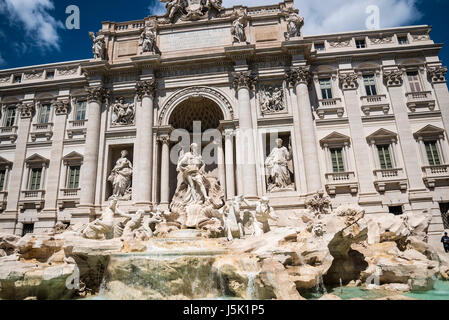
x=5, y=79
x=299, y=75
x=437, y=74
x=382, y=39
x=340, y=43
x=393, y=78
x=26, y=110
x=420, y=37
x=67, y=71
x=33, y=75
x=244, y=80
x=349, y=81
x=97, y=94
x=146, y=88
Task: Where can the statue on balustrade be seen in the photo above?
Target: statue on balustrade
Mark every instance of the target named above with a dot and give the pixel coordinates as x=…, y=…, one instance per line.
x=98, y=46
x=279, y=169
x=238, y=30
x=148, y=40
x=294, y=25
x=121, y=178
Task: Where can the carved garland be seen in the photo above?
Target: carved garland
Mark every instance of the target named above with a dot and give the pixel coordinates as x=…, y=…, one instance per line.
x=194, y=91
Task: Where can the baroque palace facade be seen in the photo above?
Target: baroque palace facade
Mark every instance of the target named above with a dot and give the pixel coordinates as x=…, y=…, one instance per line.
x=362, y=116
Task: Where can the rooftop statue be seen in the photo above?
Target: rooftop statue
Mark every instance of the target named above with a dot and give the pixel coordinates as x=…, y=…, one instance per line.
x=98, y=46
x=191, y=10
x=147, y=40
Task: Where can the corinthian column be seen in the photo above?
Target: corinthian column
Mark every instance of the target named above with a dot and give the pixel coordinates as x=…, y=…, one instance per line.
x=143, y=149
x=54, y=173
x=229, y=163
x=9, y=217
x=299, y=77
x=244, y=82
x=95, y=98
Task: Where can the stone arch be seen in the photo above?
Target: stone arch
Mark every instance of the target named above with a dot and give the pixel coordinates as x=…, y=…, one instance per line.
x=45, y=97
x=194, y=92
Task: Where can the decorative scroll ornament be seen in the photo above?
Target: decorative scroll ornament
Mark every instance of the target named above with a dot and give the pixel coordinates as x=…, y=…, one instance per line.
x=67, y=71
x=272, y=100
x=340, y=43
x=299, y=75
x=97, y=94
x=26, y=110
x=244, y=80
x=349, y=81
x=61, y=107
x=393, y=78
x=382, y=39
x=146, y=88
x=123, y=113
x=437, y=74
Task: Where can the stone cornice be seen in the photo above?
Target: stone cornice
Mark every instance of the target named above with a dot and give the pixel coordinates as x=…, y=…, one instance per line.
x=298, y=75
x=244, y=80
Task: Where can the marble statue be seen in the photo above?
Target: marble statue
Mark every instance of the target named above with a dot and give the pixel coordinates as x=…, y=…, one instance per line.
x=147, y=40
x=215, y=4
x=123, y=113
x=238, y=30
x=120, y=177
x=174, y=7
x=233, y=218
x=139, y=227
x=294, y=25
x=191, y=167
x=277, y=168
x=102, y=228
x=272, y=100
x=264, y=212
x=198, y=195
x=99, y=46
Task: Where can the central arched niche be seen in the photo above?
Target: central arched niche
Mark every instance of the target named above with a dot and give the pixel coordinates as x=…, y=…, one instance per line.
x=183, y=116
x=196, y=109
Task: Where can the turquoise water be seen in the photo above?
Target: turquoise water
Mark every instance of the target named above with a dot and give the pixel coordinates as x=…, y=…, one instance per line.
x=440, y=292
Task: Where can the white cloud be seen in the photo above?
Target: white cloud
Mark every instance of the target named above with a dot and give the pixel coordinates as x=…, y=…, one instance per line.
x=329, y=16
x=34, y=16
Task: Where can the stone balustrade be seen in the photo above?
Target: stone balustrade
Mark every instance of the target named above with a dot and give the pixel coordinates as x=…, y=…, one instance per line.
x=329, y=107
x=434, y=175
x=375, y=103
x=422, y=99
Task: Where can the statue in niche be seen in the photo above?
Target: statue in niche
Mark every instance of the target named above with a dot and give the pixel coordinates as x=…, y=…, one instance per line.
x=148, y=39
x=99, y=46
x=294, y=25
x=272, y=100
x=123, y=113
x=120, y=177
x=198, y=195
x=238, y=30
x=102, y=228
x=277, y=168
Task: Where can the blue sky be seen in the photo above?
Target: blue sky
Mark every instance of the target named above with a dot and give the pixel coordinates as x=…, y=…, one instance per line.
x=33, y=31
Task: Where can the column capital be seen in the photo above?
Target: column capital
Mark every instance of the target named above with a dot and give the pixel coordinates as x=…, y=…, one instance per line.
x=244, y=80
x=61, y=107
x=26, y=110
x=349, y=81
x=97, y=94
x=393, y=78
x=164, y=138
x=228, y=133
x=298, y=75
x=437, y=74
x=146, y=88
